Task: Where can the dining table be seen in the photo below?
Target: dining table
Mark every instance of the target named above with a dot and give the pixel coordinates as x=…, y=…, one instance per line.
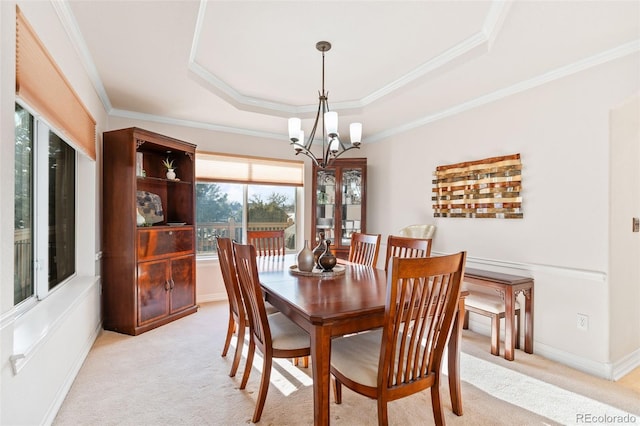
x=348, y=300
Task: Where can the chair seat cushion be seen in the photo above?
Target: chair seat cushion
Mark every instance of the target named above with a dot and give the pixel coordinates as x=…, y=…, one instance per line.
x=357, y=356
x=486, y=302
x=285, y=334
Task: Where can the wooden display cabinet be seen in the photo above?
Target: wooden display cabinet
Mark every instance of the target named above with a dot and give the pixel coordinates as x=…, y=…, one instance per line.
x=339, y=202
x=149, y=270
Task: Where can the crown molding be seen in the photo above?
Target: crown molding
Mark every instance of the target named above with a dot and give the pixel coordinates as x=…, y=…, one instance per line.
x=590, y=62
x=191, y=123
x=70, y=25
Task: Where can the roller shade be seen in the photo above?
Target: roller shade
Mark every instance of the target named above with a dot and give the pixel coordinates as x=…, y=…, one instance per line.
x=228, y=168
x=43, y=86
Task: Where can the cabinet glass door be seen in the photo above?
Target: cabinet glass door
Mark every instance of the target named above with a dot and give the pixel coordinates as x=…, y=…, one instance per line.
x=351, y=203
x=325, y=203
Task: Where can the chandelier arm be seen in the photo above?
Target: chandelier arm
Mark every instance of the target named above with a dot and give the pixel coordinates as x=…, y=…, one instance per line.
x=302, y=150
x=312, y=135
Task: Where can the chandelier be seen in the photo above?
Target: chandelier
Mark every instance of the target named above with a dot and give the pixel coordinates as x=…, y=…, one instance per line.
x=332, y=146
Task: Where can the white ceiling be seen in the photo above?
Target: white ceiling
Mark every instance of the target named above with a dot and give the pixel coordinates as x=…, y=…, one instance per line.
x=245, y=66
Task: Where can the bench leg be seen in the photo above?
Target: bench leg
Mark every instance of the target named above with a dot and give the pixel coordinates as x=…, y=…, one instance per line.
x=495, y=335
x=517, y=328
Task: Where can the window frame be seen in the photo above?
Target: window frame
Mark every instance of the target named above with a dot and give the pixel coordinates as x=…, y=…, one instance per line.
x=40, y=251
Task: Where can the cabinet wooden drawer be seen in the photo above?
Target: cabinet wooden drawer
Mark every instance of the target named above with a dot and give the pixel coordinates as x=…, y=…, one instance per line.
x=153, y=243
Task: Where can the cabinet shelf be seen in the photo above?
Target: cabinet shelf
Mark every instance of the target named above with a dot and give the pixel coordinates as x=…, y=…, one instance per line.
x=156, y=179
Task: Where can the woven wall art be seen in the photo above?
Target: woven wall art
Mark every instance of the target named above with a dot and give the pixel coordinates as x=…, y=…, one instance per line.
x=488, y=188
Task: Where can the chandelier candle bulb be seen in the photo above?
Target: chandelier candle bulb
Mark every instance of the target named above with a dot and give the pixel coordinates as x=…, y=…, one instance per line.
x=334, y=146
x=295, y=124
x=355, y=130
x=331, y=121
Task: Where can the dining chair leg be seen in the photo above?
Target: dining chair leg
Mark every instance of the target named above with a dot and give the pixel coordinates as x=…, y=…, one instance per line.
x=305, y=361
x=383, y=417
x=337, y=390
x=239, y=344
x=264, y=388
x=249, y=365
x=230, y=329
x=436, y=405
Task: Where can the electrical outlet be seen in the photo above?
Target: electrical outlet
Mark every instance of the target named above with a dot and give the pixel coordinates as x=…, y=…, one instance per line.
x=583, y=322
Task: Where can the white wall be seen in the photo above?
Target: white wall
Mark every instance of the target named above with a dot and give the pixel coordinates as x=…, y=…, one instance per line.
x=561, y=130
x=56, y=334
x=624, y=254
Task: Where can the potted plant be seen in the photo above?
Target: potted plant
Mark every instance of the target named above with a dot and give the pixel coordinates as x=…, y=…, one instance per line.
x=171, y=175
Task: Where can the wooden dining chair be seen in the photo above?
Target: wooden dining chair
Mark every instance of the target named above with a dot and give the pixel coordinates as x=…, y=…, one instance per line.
x=364, y=249
x=404, y=356
x=267, y=243
x=275, y=335
x=272, y=244
x=406, y=247
x=237, y=313
x=238, y=322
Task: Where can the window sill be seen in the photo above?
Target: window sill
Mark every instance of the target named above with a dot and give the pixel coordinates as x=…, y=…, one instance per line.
x=33, y=328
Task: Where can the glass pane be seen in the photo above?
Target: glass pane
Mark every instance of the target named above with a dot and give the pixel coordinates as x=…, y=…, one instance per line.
x=325, y=206
x=23, y=207
x=62, y=210
x=273, y=207
x=218, y=213
x=351, y=208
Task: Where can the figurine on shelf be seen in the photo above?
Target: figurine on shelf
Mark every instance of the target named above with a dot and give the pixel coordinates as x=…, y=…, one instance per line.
x=171, y=174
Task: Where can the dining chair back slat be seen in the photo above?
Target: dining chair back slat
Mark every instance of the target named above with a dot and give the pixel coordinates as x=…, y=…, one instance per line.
x=267, y=243
x=364, y=249
x=406, y=247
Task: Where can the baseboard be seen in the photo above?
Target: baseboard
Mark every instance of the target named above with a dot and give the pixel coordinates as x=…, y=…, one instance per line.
x=211, y=297
x=626, y=365
x=604, y=370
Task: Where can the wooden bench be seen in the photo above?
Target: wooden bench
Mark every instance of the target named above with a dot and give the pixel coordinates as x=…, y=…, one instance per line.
x=507, y=288
x=492, y=307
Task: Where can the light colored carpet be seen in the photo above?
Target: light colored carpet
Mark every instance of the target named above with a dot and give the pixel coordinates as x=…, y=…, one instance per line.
x=174, y=375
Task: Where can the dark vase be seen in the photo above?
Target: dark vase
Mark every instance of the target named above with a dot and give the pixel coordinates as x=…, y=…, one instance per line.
x=327, y=260
x=320, y=249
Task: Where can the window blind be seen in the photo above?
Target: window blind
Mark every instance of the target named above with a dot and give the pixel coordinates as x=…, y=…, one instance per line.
x=41, y=84
x=212, y=167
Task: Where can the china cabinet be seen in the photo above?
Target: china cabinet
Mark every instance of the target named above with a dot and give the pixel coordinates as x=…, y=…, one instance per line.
x=148, y=263
x=339, y=202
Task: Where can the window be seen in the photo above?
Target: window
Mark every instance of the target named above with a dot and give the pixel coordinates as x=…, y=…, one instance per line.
x=239, y=193
x=45, y=208
x=228, y=209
